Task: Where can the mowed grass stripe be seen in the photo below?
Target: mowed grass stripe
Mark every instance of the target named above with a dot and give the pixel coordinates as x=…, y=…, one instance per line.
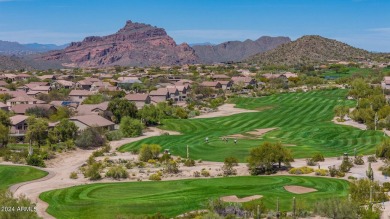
x=109, y=200
x=302, y=119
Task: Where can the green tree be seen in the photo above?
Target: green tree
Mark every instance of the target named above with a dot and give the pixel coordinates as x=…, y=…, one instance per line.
x=90, y=138
x=121, y=108
x=149, y=114
x=37, y=130
x=228, y=166
x=95, y=99
x=61, y=113
x=37, y=111
x=262, y=159
x=4, y=119
x=145, y=153
x=4, y=131
x=131, y=127
x=360, y=191
x=63, y=131
x=341, y=111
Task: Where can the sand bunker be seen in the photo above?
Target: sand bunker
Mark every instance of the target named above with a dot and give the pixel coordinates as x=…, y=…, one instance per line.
x=299, y=189
x=250, y=135
x=234, y=198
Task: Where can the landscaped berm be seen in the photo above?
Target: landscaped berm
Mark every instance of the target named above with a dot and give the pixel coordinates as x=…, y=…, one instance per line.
x=299, y=119
x=171, y=198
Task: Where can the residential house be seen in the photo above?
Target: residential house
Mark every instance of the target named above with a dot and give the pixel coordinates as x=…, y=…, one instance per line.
x=386, y=83
x=139, y=99
x=127, y=82
x=79, y=95
x=3, y=106
x=23, y=100
x=64, y=84
x=182, y=91
x=245, y=81
x=174, y=93
x=92, y=109
x=47, y=77
x=226, y=85
x=159, y=95
x=86, y=121
x=18, y=125
x=220, y=77
x=211, y=84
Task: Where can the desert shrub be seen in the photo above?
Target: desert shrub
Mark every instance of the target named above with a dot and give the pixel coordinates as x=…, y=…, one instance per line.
x=301, y=170
x=318, y=157
x=346, y=165
x=149, y=151
x=90, y=138
x=228, y=165
x=189, y=163
x=92, y=171
x=73, y=175
x=386, y=186
x=205, y=173
x=114, y=135
x=385, y=170
x=171, y=167
x=155, y=177
x=98, y=153
x=321, y=172
x=151, y=161
x=336, y=208
x=117, y=172
x=196, y=174
x=371, y=159
x=129, y=165
x=352, y=178
x=35, y=160
x=358, y=160
x=311, y=162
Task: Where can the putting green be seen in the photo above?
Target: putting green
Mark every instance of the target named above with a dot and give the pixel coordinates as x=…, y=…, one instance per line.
x=171, y=198
x=301, y=119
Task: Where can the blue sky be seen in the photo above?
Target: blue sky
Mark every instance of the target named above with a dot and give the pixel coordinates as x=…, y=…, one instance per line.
x=361, y=23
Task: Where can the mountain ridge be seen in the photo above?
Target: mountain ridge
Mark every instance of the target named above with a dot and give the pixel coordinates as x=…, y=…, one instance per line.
x=237, y=50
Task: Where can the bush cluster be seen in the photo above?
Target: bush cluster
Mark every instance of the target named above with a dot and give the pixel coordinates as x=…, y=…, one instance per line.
x=301, y=170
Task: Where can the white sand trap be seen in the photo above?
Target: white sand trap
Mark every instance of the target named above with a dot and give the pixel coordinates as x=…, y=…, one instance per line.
x=234, y=198
x=299, y=189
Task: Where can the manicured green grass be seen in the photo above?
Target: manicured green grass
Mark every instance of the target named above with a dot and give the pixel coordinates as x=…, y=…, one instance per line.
x=301, y=119
x=351, y=71
x=10, y=175
x=172, y=198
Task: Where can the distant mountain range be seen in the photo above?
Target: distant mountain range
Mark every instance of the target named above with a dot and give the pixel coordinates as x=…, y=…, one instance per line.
x=310, y=50
x=15, y=48
x=236, y=50
x=138, y=44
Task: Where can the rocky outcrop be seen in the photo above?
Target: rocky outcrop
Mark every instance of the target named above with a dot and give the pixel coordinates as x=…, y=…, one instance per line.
x=136, y=44
x=237, y=50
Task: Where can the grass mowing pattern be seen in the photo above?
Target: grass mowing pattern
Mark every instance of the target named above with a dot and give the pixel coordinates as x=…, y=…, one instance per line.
x=302, y=119
x=10, y=175
x=172, y=198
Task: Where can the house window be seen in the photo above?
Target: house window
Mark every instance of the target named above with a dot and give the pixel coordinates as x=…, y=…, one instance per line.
x=80, y=97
